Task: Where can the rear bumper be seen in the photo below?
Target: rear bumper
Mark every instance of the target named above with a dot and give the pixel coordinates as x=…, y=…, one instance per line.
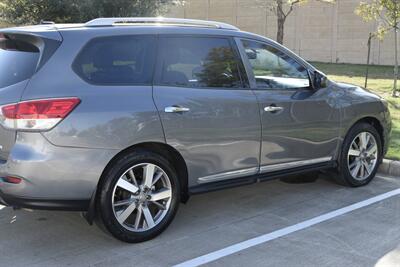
x=2, y=202
x=56, y=178
x=44, y=204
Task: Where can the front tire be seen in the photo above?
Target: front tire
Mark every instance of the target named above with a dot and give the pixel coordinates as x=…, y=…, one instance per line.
x=360, y=156
x=138, y=196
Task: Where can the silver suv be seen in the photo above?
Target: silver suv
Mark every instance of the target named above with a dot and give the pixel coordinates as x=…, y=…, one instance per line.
x=124, y=118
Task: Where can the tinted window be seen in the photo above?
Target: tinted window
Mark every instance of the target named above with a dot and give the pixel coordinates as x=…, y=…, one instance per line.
x=274, y=69
x=198, y=62
x=18, y=61
x=117, y=60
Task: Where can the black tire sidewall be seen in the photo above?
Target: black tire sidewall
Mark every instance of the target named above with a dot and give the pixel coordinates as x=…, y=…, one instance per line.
x=344, y=169
x=104, y=197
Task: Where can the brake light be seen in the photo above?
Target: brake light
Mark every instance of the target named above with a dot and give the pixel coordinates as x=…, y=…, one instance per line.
x=38, y=115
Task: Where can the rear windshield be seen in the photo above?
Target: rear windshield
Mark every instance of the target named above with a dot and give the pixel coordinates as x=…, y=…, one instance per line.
x=18, y=60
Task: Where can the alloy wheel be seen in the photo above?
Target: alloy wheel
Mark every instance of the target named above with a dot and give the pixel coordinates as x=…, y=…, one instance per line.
x=142, y=197
x=362, y=156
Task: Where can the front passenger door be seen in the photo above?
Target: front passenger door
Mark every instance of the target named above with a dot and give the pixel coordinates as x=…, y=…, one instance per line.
x=300, y=125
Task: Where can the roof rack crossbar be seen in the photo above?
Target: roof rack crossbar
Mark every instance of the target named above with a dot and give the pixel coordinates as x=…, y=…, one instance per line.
x=159, y=20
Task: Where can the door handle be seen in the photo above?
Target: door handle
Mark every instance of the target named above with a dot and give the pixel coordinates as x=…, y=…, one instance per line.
x=176, y=109
x=273, y=109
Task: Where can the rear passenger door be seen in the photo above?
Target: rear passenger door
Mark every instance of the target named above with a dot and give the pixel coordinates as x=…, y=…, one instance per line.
x=207, y=110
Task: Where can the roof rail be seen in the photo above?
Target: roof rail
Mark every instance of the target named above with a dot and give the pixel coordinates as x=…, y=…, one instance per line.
x=159, y=20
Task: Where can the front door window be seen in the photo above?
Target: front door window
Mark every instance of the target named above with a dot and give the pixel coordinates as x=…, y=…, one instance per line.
x=274, y=69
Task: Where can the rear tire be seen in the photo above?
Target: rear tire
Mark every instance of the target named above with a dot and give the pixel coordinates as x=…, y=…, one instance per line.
x=138, y=196
x=360, y=156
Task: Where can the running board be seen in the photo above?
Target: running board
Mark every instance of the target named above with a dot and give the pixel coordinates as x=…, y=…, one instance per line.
x=262, y=177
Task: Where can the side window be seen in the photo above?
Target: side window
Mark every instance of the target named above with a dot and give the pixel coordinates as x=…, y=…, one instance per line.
x=273, y=69
x=117, y=60
x=18, y=60
x=198, y=62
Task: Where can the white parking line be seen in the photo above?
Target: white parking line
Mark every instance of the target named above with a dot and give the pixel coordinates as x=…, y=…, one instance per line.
x=284, y=231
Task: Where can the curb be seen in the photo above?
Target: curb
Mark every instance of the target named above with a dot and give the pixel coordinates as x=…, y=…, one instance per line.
x=390, y=167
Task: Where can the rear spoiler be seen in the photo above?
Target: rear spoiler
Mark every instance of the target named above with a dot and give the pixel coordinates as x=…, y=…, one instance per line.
x=45, y=37
x=47, y=31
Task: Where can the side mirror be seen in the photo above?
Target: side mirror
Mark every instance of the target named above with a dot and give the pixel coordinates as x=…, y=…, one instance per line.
x=319, y=80
x=251, y=53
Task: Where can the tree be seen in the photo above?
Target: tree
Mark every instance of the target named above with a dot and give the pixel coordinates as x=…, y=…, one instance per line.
x=33, y=11
x=387, y=14
x=129, y=8
x=61, y=11
x=282, y=9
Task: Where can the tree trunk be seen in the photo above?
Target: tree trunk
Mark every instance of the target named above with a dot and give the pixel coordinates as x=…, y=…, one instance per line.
x=280, y=20
x=396, y=65
x=368, y=57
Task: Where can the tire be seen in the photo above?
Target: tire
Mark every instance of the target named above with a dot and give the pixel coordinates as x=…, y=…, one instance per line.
x=119, y=206
x=348, y=173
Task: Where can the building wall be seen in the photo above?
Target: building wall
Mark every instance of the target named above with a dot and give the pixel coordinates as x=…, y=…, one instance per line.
x=316, y=31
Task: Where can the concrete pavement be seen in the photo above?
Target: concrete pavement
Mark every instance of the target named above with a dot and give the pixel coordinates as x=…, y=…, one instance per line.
x=369, y=236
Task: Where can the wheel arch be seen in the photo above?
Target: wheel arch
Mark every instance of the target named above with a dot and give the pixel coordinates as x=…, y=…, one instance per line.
x=167, y=151
x=375, y=122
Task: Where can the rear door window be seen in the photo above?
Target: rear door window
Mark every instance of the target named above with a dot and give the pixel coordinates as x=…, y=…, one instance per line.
x=117, y=60
x=198, y=62
x=18, y=60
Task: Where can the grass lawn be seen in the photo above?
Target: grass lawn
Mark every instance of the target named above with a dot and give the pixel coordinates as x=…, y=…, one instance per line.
x=380, y=81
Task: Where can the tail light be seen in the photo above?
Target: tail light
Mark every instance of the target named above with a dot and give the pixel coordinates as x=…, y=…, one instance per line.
x=12, y=180
x=36, y=115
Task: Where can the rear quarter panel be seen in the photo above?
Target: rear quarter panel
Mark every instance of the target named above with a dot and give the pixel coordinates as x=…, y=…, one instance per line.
x=110, y=117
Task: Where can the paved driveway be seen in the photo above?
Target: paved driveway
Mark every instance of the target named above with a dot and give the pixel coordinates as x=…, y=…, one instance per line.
x=367, y=236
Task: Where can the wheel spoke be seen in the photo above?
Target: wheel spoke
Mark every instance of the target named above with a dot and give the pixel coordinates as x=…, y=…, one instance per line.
x=363, y=140
x=148, y=174
x=354, y=152
x=148, y=217
x=138, y=217
x=127, y=186
x=159, y=205
x=352, y=165
x=162, y=194
x=367, y=140
x=356, y=169
x=122, y=203
x=157, y=177
x=131, y=175
x=356, y=146
x=372, y=150
x=362, y=170
x=125, y=214
x=367, y=167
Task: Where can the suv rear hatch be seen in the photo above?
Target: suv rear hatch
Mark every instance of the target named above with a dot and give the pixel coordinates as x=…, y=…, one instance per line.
x=23, y=51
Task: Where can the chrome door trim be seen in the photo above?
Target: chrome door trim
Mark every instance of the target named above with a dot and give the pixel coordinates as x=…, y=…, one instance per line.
x=293, y=164
x=227, y=175
x=262, y=169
